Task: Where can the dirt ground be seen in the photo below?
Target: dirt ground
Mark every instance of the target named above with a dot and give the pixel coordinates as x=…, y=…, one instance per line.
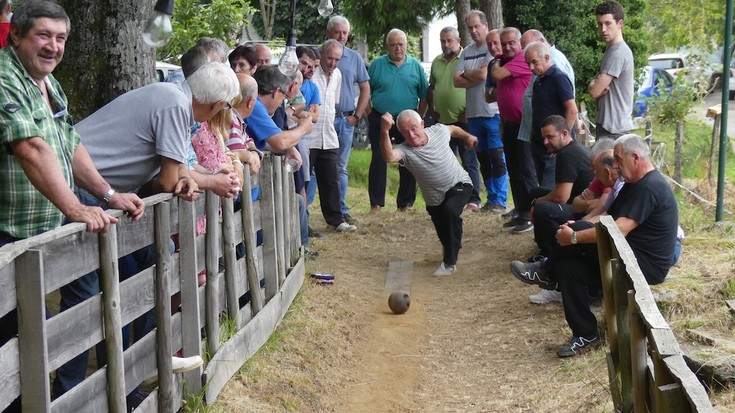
x=470, y=342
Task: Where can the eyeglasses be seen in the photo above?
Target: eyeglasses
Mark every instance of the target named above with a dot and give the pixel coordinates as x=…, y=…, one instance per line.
x=228, y=106
x=285, y=95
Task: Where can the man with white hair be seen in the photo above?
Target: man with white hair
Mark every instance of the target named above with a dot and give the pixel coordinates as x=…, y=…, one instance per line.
x=446, y=186
x=397, y=82
x=348, y=113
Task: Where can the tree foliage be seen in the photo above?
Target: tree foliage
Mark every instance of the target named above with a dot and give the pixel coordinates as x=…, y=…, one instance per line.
x=572, y=28
x=676, y=24
x=310, y=26
x=222, y=19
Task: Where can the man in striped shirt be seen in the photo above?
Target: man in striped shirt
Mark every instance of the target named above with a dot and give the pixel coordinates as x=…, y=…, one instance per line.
x=446, y=186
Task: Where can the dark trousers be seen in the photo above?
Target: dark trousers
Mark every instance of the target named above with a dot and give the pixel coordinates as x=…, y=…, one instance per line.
x=377, y=174
x=547, y=217
x=578, y=270
x=544, y=165
x=324, y=163
x=448, y=221
x=521, y=172
x=469, y=163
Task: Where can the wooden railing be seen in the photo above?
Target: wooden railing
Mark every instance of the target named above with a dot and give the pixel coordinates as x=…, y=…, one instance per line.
x=645, y=365
x=252, y=293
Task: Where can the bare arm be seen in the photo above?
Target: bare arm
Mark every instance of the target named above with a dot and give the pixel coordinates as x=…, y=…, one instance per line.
x=313, y=110
x=87, y=177
x=561, y=193
x=285, y=140
x=363, y=99
x=173, y=178
x=499, y=72
x=470, y=141
x=571, y=113
x=44, y=171
x=599, y=85
x=386, y=149
x=469, y=78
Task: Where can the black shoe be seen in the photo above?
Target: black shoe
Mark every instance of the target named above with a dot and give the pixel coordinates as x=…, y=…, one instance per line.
x=510, y=214
x=310, y=255
x=314, y=234
x=533, y=273
x=536, y=258
x=513, y=222
x=348, y=218
x=577, y=346
x=524, y=226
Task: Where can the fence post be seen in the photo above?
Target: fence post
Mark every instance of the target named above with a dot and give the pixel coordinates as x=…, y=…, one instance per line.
x=278, y=199
x=620, y=285
x=228, y=227
x=288, y=191
x=110, y=283
x=191, y=324
x=248, y=229
x=164, y=349
x=639, y=356
x=268, y=224
x=34, y=384
x=212, y=264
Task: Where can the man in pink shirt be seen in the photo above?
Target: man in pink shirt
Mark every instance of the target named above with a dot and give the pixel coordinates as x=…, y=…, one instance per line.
x=512, y=76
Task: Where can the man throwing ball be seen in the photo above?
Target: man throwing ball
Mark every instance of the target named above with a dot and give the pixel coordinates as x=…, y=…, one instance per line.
x=444, y=183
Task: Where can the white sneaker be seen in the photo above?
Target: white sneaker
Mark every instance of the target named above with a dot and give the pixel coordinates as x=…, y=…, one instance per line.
x=345, y=227
x=445, y=269
x=545, y=297
x=182, y=364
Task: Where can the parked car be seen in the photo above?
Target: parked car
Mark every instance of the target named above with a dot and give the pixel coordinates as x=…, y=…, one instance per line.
x=164, y=69
x=694, y=68
x=732, y=79
x=653, y=79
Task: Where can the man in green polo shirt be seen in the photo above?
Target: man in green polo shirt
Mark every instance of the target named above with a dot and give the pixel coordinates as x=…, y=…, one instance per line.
x=446, y=104
x=397, y=82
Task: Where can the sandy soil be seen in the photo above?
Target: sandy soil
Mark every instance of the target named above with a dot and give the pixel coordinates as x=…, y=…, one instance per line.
x=470, y=342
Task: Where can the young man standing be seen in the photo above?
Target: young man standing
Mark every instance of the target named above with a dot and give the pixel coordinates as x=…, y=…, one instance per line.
x=613, y=85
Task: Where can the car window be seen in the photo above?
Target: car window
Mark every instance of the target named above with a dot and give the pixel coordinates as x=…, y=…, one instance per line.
x=667, y=80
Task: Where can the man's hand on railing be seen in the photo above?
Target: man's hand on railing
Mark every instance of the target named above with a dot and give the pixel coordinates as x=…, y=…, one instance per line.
x=95, y=218
x=294, y=154
x=187, y=189
x=130, y=203
x=225, y=183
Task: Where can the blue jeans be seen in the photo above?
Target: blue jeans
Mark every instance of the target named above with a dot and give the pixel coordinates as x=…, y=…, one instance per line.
x=345, y=132
x=491, y=158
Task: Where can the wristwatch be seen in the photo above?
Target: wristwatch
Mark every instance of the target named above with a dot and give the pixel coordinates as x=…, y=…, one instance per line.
x=574, y=237
x=107, y=196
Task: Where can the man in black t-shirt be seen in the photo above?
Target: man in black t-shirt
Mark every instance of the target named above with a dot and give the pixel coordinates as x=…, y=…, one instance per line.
x=645, y=210
x=553, y=207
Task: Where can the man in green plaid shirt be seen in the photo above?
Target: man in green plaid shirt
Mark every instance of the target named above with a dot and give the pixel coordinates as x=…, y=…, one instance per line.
x=40, y=153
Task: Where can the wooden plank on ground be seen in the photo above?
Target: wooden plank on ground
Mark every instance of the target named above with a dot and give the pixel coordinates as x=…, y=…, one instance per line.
x=398, y=277
x=731, y=306
x=248, y=340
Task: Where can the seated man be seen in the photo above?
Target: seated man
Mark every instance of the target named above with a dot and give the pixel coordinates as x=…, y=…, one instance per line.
x=552, y=207
x=445, y=184
x=593, y=205
x=645, y=210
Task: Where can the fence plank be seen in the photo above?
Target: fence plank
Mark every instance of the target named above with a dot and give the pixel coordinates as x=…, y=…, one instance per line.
x=9, y=373
x=268, y=223
x=672, y=399
x=694, y=391
x=164, y=347
x=7, y=286
x=280, y=230
x=249, y=230
x=34, y=384
x=228, y=235
x=638, y=355
x=110, y=285
x=620, y=291
x=212, y=265
x=288, y=193
x=191, y=324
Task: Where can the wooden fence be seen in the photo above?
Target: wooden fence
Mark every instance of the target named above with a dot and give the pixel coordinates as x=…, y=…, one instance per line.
x=645, y=364
x=252, y=293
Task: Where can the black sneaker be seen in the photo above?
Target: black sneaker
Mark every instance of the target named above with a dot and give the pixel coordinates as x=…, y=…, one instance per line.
x=513, y=213
x=533, y=273
x=314, y=234
x=348, y=218
x=536, y=258
x=524, y=226
x=513, y=222
x=577, y=346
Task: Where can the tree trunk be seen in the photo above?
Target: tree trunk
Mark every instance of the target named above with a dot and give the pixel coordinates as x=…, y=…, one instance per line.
x=677, y=150
x=462, y=9
x=268, y=13
x=494, y=11
x=105, y=55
